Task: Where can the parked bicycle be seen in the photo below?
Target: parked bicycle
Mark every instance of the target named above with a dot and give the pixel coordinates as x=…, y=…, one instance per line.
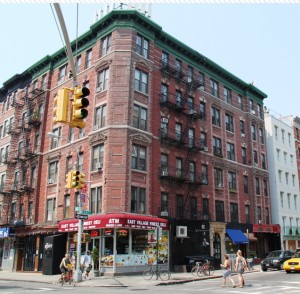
x=67, y=277
x=203, y=269
x=163, y=274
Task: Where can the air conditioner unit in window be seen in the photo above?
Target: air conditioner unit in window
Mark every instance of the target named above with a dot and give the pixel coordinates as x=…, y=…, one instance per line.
x=201, y=88
x=181, y=231
x=192, y=111
x=164, y=120
x=50, y=181
x=243, y=135
x=164, y=213
x=164, y=173
x=255, y=164
x=99, y=165
x=205, y=148
x=252, y=111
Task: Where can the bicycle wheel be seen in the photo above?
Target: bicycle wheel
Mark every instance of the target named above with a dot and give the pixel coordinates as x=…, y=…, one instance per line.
x=201, y=272
x=194, y=271
x=164, y=275
x=148, y=274
x=72, y=282
x=210, y=271
x=61, y=281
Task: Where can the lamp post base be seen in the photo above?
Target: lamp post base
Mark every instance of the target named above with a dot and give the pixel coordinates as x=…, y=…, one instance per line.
x=78, y=276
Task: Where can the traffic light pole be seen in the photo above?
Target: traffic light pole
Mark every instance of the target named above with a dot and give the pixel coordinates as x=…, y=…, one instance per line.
x=78, y=273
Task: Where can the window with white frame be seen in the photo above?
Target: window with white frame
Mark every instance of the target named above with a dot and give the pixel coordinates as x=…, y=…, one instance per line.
x=276, y=132
x=218, y=177
x=232, y=181
x=97, y=157
x=164, y=58
x=240, y=102
x=292, y=159
x=214, y=88
x=266, y=194
x=293, y=180
x=227, y=95
x=138, y=200
x=281, y=199
x=88, y=61
x=67, y=204
x=192, y=172
x=141, y=81
x=280, y=175
x=284, y=157
x=289, y=138
x=138, y=157
x=261, y=136
x=230, y=151
x=102, y=79
x=283, y=135
x=100, y=117
x=52, y=172
x=289, y=200
x=295, y=202
x=287, y=178
x=229, y=122
x=215, y=116
x=96, y=200
x=55, y=139
x=106, y=44
x=142, y=46
x=140, y=117
x=257, y=186
x=253, y=132
x=78, y=63
x=62, y=74
x=50, y=209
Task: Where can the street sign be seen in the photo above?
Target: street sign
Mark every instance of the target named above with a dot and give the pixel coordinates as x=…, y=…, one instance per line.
x=83, y=197
x=81, y=216
x=86, y=212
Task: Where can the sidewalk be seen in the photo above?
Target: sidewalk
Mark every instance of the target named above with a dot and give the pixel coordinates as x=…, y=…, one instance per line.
x=108, y=281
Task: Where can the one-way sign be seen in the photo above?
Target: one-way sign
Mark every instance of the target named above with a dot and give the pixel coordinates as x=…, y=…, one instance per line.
x=81, y=216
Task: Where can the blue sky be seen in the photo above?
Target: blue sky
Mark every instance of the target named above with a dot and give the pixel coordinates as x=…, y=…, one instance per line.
x=258, y=43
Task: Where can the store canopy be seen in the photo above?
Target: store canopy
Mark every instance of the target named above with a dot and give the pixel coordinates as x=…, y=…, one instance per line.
x=237, y=236
x=115, y=220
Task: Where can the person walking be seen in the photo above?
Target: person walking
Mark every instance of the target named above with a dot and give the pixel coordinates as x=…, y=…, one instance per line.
x=227, y=266
x=65, y=265
x=240, y=265
x=86, y=264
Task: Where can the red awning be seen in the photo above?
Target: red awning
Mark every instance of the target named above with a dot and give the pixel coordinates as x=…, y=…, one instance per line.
x=114, y=220
x=266, y=228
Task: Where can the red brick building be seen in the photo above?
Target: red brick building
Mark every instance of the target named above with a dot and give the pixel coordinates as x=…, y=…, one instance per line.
x=170, y=134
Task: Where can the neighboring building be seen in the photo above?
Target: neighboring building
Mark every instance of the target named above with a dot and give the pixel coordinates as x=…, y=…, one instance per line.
x=283, y=172
x=172, y=139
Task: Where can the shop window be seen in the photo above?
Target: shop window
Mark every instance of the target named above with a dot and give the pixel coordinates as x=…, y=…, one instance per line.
x=122, y=241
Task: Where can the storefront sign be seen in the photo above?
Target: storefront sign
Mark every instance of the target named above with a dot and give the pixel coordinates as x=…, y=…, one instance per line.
x=4, y=232
x=117, y=220
x=266, y=228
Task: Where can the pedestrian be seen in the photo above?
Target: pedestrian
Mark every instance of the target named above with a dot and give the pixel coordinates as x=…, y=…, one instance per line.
x=86, y=264
x=227, y=266
x=250, y=262
x=240, y=266
x=65, y=265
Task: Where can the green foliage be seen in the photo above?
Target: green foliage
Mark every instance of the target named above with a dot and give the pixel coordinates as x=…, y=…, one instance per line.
x=95, y=257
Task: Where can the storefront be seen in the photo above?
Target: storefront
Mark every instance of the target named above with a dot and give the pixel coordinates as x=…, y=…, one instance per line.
x=6, y=248
x=126, y=242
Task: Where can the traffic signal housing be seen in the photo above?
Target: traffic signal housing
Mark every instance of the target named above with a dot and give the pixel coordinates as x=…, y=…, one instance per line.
x=60, y=109
x=79, y=104
x=75, y=179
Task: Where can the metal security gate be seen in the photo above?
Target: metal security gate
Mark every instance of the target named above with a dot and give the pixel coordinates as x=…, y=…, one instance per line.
x=29, y=253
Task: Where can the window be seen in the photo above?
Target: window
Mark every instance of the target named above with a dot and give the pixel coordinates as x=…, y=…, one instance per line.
x=257, y=186
x=179, y=206
x=178, y=66
x=203, y=139
x=253, y=132
x=191, y=137
x=220, y=216
x=214, y=88
x=276, y=132
x=255, y=157
x=164, y=93
x=67, y=206
x=142, y=46
x=205, y=205
x=97, y=157
x=96, y=200
x=138, y=157
x=287, y=178
x=178, y=167
x=261, y=136
x=13, y=211
x=178, y=97
x=164, y=164
x=289, y=200
x=30, y=210
x=227, y=95
x=267, y=216
x=218, y=178
x=259, y=219
x=251, y=105
x=32, y=176
x=52, y=173
x=50, y=209
x=244, y=155
x=36, y=142
x=266, y=188
x=202, y=79
x=190, y=103
x=62, y=74
x=281, y=199
x=283, y=136
x=247, y=212
x=138, y=200
x=1, y=131
x=289, y=138
x=260, y=112
x=204, y=173
x=192, y=173
x=278, y=154
x=263, y=161
x=230, y=151
x=100, y=117
x=164, y=59
x=80, y=161
x=71, y=134
x=292, y=159
x=234, y=213
x=240, y=102
x=293, y=180
x=44, y=82
x=190, y=74
x=102, y=79
x=193, y=207
x=106, y=45
x=178, y=131
x=215, y=115
x=164, y=202
x=284, y=157
x=217, y=146
x=202, y=111
x=295, y=202
x=232, y=181
x=2, y=182
x=68, y=164
x=279, y=175
x=229, y=122
x=245, y=184
x=88, y=61
x=5, y=128
x=141, y=81
x=78, y=64
x=55, y=139
x=140, y=117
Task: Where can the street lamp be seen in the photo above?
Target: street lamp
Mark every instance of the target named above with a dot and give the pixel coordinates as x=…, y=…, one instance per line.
x=78, y=273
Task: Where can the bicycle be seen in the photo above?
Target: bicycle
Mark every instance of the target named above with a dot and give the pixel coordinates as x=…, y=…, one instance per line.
x=203, y=269
x=67, y=277
x=163, y=274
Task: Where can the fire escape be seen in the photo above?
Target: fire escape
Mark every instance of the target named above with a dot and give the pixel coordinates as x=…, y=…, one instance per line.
x=22, y=156
x=184, y=139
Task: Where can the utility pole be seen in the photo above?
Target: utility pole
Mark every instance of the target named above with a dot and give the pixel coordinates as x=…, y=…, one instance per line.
x=67, y=41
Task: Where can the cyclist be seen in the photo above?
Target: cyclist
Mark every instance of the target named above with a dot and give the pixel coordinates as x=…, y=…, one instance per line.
x=65, y=264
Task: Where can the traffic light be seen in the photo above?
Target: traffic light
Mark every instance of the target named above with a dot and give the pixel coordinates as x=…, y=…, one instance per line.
x=69, y=181
x=79, y=113
x=75, y=179
x=60, y=109
x=81, y=180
